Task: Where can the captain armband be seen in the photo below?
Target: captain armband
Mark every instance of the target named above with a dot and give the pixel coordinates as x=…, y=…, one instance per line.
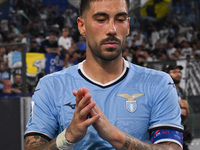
x=62, y=143
x=165, y=135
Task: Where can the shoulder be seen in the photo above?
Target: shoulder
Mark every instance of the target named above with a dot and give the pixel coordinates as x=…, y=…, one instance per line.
x=149, y=78
x=63, y=74
x=147, y=72
x=60, y=38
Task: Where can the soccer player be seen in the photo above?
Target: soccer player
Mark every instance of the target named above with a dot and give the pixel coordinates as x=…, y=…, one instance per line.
x=114, y=104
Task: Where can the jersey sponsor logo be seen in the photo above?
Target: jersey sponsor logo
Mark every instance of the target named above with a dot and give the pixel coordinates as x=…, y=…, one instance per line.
x=131, y=104
x=73, y=106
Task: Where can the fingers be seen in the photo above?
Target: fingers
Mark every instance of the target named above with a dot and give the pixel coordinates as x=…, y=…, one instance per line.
x=84, y=103
x=184, y=105
x=80, y=93
x=83, y=114
x=92, y=120
x=183, y=112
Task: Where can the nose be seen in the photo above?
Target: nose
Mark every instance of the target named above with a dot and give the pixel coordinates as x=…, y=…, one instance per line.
x=112, y=30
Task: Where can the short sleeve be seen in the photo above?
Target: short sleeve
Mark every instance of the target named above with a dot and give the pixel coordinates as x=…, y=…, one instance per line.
x=43, y=118
x=166, y=113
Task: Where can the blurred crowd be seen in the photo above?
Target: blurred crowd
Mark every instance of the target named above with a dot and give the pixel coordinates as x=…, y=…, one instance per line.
x=47, y=29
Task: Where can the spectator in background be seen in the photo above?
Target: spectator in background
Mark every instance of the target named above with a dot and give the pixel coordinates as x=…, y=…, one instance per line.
x=55, y=29
x=148, y=55
x=14, y=29
x=68, y=48
x=81, y=48
x=175, y=73
x=1, y=39
x=170, y=50
x=40, y=39
x=4, y=74
x=186, y=50
x=7, y=88
x=126, y=54
x=20, y=39
x=141, y=60
x=60, y=20
x=135, y=53
x=3, y=56
x=34, y=47
x=155, y=36
x=34, y=29
x=50, y=45
x=17, y=82
x=65, y=43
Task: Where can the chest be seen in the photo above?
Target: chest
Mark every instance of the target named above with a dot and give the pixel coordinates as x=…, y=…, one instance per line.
x=126, y=107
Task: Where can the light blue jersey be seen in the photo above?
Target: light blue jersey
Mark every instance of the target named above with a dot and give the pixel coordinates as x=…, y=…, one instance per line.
x=141, y=102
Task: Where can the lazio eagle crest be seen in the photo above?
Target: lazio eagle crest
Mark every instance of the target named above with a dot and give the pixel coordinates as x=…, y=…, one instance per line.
x=131, y=104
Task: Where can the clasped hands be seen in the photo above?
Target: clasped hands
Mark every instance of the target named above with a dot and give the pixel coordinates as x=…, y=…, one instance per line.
x=88, y=113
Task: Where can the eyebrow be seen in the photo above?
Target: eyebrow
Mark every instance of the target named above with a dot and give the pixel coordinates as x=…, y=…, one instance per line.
x=105, y=14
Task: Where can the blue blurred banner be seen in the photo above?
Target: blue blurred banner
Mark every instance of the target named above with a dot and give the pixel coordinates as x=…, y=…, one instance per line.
x=4, y=9
x=54, y=63
x=62, y=4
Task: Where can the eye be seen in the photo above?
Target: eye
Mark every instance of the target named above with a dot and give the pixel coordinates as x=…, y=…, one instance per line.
x=121, y=18
x=100, y=20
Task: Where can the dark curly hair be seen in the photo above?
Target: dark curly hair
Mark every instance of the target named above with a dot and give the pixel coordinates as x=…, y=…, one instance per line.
x=85, y=4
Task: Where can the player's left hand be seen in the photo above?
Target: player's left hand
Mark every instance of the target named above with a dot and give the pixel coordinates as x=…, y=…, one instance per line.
x=105, y=129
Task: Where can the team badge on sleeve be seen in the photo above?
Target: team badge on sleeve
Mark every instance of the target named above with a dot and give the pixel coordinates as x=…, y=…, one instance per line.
x=131, y=104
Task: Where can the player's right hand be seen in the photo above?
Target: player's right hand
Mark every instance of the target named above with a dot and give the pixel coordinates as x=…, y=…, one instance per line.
x=80, y=122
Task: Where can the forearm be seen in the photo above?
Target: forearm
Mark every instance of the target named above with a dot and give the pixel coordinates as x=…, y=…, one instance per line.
x=39, y=143
x=17, y=91
x=124, y=141
x=49, y=50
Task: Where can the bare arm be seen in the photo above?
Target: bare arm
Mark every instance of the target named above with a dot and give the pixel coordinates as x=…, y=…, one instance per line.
x=17, y=91
x=132, y=143
x=76, y=130
x=55, y=51
x=39, y=143
x=123, y=141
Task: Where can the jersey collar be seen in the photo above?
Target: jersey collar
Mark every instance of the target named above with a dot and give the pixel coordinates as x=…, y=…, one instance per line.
x=115, y=81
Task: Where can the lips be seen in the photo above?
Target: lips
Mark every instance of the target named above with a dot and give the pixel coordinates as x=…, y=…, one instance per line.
x=111, y=43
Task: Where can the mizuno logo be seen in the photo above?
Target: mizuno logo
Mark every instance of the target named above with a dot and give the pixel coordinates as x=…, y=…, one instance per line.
x=73, y=106
x=171, y=84
x=37, y=90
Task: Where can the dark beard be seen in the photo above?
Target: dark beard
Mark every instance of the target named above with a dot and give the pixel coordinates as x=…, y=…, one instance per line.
x=96, y=51
x=176, y=81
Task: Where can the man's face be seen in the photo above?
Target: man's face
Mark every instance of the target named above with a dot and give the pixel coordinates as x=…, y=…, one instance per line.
x=176, y=75
x=18, y=79
x=52, y=38
x=65, y=33
x=105, y=25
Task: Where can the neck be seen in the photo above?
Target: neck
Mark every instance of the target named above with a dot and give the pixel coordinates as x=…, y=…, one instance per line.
x=103, y=71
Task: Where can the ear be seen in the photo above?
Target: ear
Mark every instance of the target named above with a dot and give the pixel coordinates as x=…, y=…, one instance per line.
x=128, y=29
x=81, y=25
